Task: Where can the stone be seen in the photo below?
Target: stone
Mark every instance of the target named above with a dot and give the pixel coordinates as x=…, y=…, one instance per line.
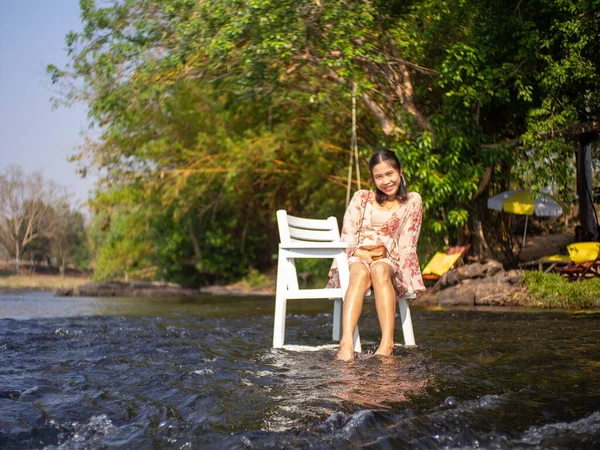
x=427, y=298
x=449, y=278
x=489, y=292
x=516, y=279
x=479, y=270
x=64, y=292
x=476, y=284
x=456, y=295
x=474, y=270
x=493, y=268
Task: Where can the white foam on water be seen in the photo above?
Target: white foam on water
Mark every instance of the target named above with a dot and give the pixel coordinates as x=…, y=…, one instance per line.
x=206, y=371
x=309, y=348
x=316, y=348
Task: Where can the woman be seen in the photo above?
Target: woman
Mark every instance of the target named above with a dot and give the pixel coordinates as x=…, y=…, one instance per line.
x=387, y=220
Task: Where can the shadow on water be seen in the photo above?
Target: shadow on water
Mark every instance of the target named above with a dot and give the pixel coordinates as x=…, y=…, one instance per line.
x=201, y=373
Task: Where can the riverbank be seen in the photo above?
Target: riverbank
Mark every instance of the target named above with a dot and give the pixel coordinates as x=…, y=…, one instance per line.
x=472, y=285
x=35, y=282
x=70, y=286
x=514, y=289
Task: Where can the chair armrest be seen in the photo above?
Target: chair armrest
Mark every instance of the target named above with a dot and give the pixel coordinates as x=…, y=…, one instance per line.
x=315, y=245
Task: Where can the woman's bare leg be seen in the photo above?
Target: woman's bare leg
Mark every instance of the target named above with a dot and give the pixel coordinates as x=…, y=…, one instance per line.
x=360, y=282
x=385, y=303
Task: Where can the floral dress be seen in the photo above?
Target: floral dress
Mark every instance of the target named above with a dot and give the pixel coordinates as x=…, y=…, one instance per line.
x=399, y=234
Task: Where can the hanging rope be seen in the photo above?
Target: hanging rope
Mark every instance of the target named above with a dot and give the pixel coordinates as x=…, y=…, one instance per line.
x=349, y=185
x=353, y=149
x=354, y=142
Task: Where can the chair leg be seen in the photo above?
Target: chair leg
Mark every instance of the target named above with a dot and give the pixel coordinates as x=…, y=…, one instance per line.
x=336, y=335
x=357, y=346
x=280, y=304
x=585, y=272
x=407, y=328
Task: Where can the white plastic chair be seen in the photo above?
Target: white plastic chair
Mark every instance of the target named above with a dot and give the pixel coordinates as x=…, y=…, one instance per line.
x=312, y=238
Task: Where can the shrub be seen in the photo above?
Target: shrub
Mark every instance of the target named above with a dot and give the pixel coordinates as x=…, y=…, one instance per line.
x=550, y=290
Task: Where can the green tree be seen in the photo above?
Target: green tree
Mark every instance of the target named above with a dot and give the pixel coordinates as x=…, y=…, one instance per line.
x=69, y=238
x=215, y=114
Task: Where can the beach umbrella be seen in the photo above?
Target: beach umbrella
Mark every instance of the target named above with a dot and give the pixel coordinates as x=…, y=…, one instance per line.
x=522, y=202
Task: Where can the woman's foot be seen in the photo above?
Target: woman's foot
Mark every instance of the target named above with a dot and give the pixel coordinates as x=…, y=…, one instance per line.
x=346, y=351
x=385, y=349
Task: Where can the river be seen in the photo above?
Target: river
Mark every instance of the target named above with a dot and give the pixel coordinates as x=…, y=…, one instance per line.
x=200, y=372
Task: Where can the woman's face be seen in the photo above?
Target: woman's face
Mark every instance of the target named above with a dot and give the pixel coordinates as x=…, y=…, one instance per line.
x=387, y=179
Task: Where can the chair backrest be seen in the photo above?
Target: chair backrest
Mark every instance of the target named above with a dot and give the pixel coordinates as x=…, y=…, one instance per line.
x=440, y=263
x=458, y=249
x=581, y=252
x=298, y=229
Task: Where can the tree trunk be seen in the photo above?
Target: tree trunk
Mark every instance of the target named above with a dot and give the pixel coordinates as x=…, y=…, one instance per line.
x=195, y=245
x=17, y=257
x=587, y=213
x=480, y=248
x=63, y=264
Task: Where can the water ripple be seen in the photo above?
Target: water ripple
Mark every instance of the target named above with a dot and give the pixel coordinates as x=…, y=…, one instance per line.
x=202, y=374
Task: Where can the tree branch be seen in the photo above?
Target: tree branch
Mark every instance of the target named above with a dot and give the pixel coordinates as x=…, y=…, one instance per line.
x=508, y=143
x=485, y=179
x=409, y=103
x=388, y=126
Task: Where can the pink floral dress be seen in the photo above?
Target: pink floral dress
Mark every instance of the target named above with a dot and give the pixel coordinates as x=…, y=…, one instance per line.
x=399, y=234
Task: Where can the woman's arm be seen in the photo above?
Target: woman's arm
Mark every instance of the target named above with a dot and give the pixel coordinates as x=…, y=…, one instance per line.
x=408, y=234
x=352, y=221
x=410, y=278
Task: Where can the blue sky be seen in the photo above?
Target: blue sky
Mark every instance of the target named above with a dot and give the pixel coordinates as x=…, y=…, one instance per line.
x=32, y=134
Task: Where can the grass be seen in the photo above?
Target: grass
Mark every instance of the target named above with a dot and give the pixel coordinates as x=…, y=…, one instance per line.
x=40, y=282
x=549, y=290
x=256, y=280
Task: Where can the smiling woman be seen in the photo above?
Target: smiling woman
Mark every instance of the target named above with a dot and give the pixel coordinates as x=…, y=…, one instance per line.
x=382, y=229
x=389, y=180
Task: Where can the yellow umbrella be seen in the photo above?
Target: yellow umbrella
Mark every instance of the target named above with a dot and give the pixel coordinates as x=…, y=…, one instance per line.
x=522, y=202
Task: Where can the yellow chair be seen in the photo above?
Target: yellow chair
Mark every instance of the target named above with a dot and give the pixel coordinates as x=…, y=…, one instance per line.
x=442, y=262
x=581, y=252
x=585, y=261
x=439, y=264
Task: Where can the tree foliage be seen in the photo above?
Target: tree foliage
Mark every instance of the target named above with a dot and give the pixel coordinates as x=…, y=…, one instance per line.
x=215, y=114
x=68, y=241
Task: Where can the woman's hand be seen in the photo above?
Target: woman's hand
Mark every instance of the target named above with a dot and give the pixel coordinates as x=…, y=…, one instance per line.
x=363, y=254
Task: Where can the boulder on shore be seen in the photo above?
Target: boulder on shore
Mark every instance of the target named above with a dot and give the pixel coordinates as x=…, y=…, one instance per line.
x=473, y=285
x=125, y=289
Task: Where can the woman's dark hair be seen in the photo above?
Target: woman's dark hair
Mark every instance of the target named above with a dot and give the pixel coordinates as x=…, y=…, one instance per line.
x=390, y=158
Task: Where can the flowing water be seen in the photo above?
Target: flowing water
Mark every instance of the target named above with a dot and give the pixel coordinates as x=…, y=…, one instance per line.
x=200, y=372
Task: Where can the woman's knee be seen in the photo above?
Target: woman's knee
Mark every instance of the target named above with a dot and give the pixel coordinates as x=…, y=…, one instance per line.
x=381, y=273
x=359, y=275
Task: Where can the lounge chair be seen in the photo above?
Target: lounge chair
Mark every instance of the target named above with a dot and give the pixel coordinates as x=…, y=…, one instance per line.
x=547, y=263
x=584, y=261
x=442, y=262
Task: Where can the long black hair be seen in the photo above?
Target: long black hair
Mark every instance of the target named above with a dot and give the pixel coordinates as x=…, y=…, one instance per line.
x=390, y=158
